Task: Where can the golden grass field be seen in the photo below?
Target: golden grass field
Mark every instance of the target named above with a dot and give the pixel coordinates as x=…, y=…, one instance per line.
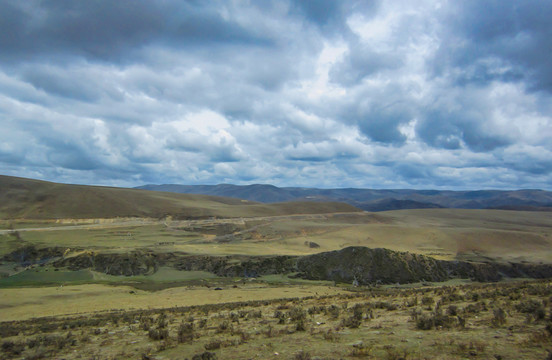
x=32, y=302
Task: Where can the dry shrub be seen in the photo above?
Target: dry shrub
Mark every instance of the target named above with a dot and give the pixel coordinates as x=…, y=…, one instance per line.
x=205, y=356
x=532, y=307
x=499, y=317
x=158, y=334
x=302, y=355
x=361, y=350
x=186, y=332
x=333, y=311
x=435, y=320
x=213, y=345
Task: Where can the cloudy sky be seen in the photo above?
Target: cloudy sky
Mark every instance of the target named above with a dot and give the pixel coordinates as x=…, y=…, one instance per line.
x=374, y=94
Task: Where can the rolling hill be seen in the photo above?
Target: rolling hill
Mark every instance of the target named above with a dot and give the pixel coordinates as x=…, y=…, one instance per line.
x=34, y=199
x=377, y=200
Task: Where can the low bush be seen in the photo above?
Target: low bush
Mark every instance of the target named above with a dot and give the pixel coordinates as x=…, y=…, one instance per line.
x=434, y=320
x=158, y=334
x=186, y=332
x=499, y=317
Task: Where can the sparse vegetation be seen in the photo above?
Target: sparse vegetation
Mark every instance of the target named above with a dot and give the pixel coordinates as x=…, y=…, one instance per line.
x=344, y=325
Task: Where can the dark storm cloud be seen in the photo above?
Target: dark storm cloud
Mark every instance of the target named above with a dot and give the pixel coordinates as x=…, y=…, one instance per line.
x=108, y=30
x=308, y=93
x=381, y=123
x=62, y=82
x=379, y=112
x=321, y=12
x=412, y=171
x=448, y=129
x=499, y=40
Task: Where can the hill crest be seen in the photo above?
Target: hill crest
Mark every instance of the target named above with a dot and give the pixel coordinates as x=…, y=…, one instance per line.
x=35, y=199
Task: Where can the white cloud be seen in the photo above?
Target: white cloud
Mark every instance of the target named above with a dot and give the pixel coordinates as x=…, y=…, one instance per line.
x=395, y=94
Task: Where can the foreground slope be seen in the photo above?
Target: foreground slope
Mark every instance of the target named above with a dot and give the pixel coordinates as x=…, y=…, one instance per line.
x=34, y=199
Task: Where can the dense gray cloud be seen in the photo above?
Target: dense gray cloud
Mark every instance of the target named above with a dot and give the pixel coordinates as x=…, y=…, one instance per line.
x=498, y=40
x=425, y=94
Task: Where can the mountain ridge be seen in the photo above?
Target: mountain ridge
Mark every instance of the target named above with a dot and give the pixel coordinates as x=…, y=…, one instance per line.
x=374, y=199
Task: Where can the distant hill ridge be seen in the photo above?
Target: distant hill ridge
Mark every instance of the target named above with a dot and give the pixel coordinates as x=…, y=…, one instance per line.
x=35, y=199
x=376, y=200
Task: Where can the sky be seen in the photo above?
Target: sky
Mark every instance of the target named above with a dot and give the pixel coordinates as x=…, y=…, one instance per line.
x=332, y=94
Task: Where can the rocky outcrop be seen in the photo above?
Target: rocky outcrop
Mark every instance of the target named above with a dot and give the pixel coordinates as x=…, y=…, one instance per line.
x=237, y=266
x=370, y=266
x=365, y=265
x=128, y=264
x=30, y=255
x=145, y=262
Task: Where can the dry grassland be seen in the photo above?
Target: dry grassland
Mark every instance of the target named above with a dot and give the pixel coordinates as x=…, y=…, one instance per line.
x=27, y=303
x=446, y=234
x=490, y=321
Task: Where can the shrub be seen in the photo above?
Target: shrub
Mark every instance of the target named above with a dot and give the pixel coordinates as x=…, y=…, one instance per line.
x=158, y=334
x=361, y=350
x=36, y=354
x=296, y=314
x=269, y=332
x=236, y=317
x=394, y=354
x=355, y=319
x=315, y=310
x=205, y=356
x=223, y=326
x=351, y=322
x=300, y=325
x=424, y=322
x=427, y=301
x=412, y=302
x=186, y=332
x=162, y=321
x=452, y=310
x=549, y=328
x=255, y=314
x=499, y=317
x=333, y=311
x=302, y=355
x=533, y=307
x=213, y=345
x=9, y=347
x=428, y=322
x=472, y=309
x=386, y=305
x=331, y=336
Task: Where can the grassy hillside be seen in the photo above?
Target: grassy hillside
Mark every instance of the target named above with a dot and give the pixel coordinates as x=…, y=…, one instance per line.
x=33, y=199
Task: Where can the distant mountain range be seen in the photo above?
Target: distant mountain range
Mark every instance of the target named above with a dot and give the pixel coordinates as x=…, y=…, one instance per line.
x=376, y=200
